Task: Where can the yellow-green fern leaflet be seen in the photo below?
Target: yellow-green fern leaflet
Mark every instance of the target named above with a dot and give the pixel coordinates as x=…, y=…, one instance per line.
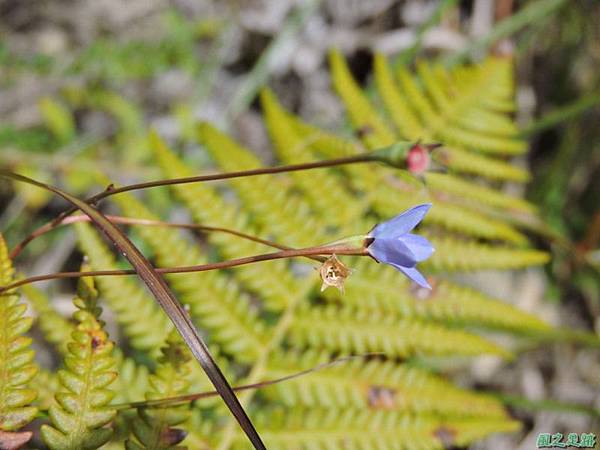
x=16, y=357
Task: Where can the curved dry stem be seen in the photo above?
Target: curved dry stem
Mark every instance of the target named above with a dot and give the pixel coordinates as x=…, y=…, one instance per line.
x=158, y=223
x=291, y=253
x=111, y=190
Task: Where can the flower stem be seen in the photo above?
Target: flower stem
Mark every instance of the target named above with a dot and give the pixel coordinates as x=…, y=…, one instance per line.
x=111, y=190
x=159, y=223
x=290, y=253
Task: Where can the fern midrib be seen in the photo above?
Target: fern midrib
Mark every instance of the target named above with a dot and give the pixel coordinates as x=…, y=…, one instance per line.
x=260, y=367
x=462, y=103
x=355, y=432
x=403, y=383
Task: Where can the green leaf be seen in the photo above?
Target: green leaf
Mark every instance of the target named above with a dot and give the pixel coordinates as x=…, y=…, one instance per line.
x=80, y=413
x=16, y=356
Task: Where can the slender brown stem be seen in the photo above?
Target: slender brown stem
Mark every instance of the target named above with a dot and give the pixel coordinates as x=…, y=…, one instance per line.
x=291, y=253
x=111, y=190
x=162, y=402
x=158, y=223
x=238, y=174
x=165, y=298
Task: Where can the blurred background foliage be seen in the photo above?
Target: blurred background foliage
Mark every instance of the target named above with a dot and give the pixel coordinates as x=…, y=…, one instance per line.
x=81, y=83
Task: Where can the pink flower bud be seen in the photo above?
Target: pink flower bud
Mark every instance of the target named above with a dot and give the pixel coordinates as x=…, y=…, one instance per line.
x=418, y=159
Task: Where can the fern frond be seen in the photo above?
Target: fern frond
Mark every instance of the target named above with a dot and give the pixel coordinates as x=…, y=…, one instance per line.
x=406, y=120
x=478, y=194
x=56, y=328
x=475, y=164
x=462, y=305
x=16, y=355
x=285, y=216
x=389, y=197
x=459, y=206
x=388, y=200
x=463, y=433
x=200, y=431
x=511, y=316
x=451, y=215
x=132, y=383
x=80, y=412
x=326, y=429
x=400, y=111
x=154, y=428
x=278, y=211
x=498, y=96
x=222, y=308
x=143, y=321
x=376, y=133
x=451, y=122
x=459, y=256
x=374, y=385
x=346, y=330
x=462, y=113
x=374, y=288
x=272, y=281
x=130, y=386
x=459, y=102
x=466, y=311
x=323, y=189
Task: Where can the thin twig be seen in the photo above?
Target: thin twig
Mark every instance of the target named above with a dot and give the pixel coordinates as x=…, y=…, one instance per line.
x=158, y=223
x=291, y=253
x=111, y=190
x=162, y=402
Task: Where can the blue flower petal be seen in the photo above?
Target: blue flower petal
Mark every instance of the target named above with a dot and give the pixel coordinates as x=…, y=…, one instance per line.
x=391, y=251
x=402, y=223
x=418, y=245
x=414, y=275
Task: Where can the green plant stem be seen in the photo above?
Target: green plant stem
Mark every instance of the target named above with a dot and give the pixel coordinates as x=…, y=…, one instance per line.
x=544, y=405
x=565, y=335
x=291, y=253
x=110, y=190
x=259, y=366
x=562, y=114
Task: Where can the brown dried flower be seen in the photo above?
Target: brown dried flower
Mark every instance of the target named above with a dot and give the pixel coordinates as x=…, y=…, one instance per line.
x=333, y=273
